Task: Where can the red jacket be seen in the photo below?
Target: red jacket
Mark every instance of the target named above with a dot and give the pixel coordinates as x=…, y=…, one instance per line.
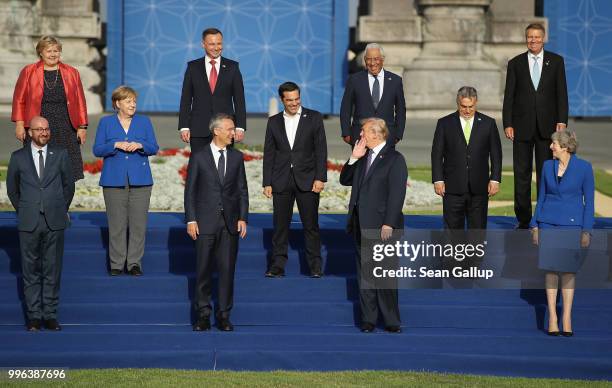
x=28, y=94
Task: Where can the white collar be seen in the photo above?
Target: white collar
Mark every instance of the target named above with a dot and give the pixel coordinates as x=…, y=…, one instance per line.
x=539, y=55
x=207, y=59
x=381, y=74
x=35, y=149
x=379, y=147
x=288, y=116
x=214, y=148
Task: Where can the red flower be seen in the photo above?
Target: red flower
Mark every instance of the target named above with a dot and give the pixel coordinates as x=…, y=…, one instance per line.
x=168, y=152
x=93, y=167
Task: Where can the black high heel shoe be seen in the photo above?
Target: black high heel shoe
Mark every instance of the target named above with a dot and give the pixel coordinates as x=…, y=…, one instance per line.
x=553, y=333
x=567, y=333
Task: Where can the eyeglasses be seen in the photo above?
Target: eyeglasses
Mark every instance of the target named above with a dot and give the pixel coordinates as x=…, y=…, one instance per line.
x=374, y=59
x=41, y=129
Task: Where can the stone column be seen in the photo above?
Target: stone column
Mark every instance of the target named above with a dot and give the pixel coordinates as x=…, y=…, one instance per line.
x=454, y=33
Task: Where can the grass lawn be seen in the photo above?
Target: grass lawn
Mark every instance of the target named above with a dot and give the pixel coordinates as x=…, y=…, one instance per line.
x=603, y=182
x=176, y=378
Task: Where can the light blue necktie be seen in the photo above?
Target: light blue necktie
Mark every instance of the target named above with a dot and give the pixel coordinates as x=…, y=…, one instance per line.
x=535, y=73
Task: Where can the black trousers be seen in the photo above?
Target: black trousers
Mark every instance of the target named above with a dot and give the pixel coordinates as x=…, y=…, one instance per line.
x=373, y=297
x=522, y=164
x=459, y=208
x=308, y=206
x=41, y=265
x=220, y=249
x=198, y=143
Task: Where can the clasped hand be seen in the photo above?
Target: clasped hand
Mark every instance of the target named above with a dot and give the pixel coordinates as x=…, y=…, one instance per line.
x=128, y=146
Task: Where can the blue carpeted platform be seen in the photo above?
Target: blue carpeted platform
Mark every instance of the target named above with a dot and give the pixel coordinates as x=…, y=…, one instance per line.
x=293, y=323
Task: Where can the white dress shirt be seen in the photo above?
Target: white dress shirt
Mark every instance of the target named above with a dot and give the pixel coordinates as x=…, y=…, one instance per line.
x=35, y=150
x=375, y=150
x=217, y=155
x=381, y=81
x=291, y=125
x=208, y=67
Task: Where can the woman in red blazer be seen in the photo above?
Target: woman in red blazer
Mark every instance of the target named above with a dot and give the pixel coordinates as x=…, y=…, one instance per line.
x=52, y=89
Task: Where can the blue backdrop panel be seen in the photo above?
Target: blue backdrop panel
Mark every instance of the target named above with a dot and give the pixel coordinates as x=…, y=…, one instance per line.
x=581, y=31
x=150, y=42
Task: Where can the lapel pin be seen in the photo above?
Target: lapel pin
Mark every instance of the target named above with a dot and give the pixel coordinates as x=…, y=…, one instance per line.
x=389, y=78
x=304, y=115
x=223, y=66
x=50, y=152
x=479, y=119
x=546, y=63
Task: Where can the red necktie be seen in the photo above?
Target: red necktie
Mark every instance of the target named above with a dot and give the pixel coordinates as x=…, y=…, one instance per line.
x=213, y=76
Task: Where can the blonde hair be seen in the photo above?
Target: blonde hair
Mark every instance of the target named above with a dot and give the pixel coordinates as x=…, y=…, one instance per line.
x=47, y=41
x=379, y=126
x=121, y=93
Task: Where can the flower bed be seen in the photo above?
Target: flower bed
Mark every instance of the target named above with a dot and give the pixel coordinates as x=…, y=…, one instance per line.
x=169, y=169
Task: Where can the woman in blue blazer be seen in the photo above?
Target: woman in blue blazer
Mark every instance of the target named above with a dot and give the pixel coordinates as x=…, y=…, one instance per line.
x=125, y=141
x=562, y=224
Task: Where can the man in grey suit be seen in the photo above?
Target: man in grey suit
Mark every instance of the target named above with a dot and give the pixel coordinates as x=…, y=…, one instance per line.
x=216, y=211
x=377, y=199
x=374, y=92
x=40, y=187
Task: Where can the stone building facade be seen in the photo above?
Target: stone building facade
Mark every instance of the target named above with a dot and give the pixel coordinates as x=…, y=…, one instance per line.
x=441, y=45
x=74, y=22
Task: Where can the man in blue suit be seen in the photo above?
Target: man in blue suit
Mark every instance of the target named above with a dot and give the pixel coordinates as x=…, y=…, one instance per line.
x=374, y=92
x=40, y=187
x=377, y=197
x=216, y=211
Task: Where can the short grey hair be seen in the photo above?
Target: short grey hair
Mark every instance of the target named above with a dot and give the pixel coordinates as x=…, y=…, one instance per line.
x=374, y=46
x=566, y=139
x=380, y=126
x=466, y=92
x=215, y=121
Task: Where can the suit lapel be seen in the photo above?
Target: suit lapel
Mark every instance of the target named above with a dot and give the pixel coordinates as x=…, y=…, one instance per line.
x=31, y=163
x=459, y=128
x=201, y=70
x=543, y=69
x=283, y=130
x=301, y=126
x=375, y=163
x=50, y=162
x=385, y=88
x=222, y=74
x=211, y=161
x=365, y=86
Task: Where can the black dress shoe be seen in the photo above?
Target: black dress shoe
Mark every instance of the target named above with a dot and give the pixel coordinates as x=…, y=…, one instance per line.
x=202, y=324
x=33, y=325
x=275, y=273
x=316, y=274
x=553, y=333
x=51, y=324
x=224, y=324
x=367, y=327
x=135, y=271
x=567, y=333
x=393, y=329
x=115, y=272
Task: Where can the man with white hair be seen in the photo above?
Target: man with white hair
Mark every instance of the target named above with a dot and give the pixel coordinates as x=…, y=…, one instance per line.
x=374, y=92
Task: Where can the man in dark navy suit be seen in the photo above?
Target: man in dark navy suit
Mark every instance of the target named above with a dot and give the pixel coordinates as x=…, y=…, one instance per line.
x=466, y=163
x=295, y=168
x=212, y=84
x=216, y=212
x=40, y=187
x=375, y=214
x=535, y=106
x=374, y=92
